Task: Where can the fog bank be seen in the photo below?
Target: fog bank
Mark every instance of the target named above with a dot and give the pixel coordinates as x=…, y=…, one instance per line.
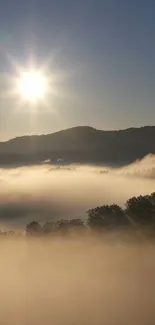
x=47, y=193
x=79, y=282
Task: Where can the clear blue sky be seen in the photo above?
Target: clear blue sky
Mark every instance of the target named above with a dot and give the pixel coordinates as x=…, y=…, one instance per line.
x=105, y=51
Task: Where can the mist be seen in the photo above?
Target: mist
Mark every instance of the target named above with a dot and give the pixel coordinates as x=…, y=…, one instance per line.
x=83, y=282
x=48, y=192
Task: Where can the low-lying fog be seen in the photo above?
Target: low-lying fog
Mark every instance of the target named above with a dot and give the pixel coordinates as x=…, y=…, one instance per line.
x=85, y=282
x=46, y=192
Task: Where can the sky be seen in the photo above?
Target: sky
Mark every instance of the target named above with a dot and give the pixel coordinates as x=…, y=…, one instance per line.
x=99, y=54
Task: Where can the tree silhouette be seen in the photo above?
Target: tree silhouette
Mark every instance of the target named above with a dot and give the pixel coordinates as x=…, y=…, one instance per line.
x=107, y=217
x=141, y=209
x=152, y=198
x=33, y=228
x=50, y=228
x=62, y=226
x=76, y=225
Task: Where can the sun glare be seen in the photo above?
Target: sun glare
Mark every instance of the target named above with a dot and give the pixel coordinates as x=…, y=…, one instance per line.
x=32, y=85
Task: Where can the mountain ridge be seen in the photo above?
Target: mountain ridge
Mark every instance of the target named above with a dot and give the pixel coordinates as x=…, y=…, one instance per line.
x=79, y=127
x=83, y=144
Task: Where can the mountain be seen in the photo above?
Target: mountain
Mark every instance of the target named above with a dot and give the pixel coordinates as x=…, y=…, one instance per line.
x=82, y=144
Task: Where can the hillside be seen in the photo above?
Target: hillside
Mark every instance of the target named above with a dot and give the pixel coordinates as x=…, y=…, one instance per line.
x=81, y=144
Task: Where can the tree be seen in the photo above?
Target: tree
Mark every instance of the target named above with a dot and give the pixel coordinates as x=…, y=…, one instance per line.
x=62, y=226
x=50, y=228
x=76, y=225
x=33, y=228
x=152, y=198
x=107, y=217
x=141, y=209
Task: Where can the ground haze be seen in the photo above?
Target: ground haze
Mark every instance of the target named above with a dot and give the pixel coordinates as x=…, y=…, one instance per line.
x=86, y=281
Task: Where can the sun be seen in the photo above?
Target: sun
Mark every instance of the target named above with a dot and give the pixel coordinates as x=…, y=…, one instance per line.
x=32, y=85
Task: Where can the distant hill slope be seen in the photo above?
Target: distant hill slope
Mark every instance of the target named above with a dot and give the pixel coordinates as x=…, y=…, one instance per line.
x=81, y=145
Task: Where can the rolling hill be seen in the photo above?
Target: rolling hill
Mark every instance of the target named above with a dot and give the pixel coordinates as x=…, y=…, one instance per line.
x=81, y=144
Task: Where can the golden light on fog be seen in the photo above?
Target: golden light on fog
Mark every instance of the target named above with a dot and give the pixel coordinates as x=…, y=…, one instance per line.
x=32, y=85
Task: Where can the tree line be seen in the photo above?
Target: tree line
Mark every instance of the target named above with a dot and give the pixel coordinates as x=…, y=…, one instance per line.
x=138, y=212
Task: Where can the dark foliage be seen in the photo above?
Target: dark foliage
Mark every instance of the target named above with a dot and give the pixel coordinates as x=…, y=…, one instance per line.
x=139, y=211
x=33, y=228
x=107, y=217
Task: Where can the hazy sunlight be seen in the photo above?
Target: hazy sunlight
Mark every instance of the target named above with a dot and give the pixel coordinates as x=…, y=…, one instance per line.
x=32, y=85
